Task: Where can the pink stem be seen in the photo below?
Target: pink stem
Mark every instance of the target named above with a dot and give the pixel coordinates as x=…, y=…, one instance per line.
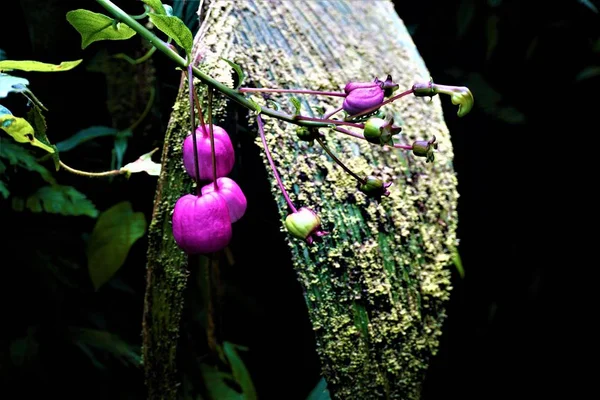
x=261, y=130
x=302, y=91
x=193, y=124
x=375, y=108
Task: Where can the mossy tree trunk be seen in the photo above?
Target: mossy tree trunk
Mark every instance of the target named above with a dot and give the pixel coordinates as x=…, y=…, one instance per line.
x=375, y=288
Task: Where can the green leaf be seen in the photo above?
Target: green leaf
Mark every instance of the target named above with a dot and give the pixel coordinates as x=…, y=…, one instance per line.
x=8, y=82
x=320, y=392
x=59, y=199
x=87, y=339
x=85, y=135
x=37, y=120
x=3, y=189
x=257, y=106
x=156, y=5
x=238, y=70
x=588, y=72
x=94, y=27
x=456, y=260
x=21, y=131
x=144, y=163
x=216, y=384
x=297, y=105
x=21, y=157
x=464, y=17
x=174, y=28
x=24, y=349
x=116, y=230
x=589, y=5
x=239, y=370
x=37, y=66
x=4, y=110
x=120, y=147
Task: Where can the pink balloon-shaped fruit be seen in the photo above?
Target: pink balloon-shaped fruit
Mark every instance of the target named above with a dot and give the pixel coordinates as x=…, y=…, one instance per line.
x=201, y=224
x=224, y=154
x=232, y=194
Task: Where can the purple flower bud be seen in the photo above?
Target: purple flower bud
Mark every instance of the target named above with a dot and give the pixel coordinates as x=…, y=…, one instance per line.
x=362, y=96
x=303, y=224
x=201, y=224
x=232, y=194
x=224, y=153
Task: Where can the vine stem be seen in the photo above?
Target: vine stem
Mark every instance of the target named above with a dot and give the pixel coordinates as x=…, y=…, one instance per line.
x=91, y=174
x=193, y=126
x=332, y=121
x=261, y=130
x=300, y=91
x=340, y=163
x=212, y=139
x=166, y=49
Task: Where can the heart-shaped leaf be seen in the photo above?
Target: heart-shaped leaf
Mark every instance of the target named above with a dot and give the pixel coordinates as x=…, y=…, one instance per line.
x=116, y=230
x=156, y=5
x=174, y=28
x=94, y=26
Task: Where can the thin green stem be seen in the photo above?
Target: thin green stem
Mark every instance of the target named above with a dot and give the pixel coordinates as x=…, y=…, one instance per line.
x=133, y=61
x=90, y=174
x=337, y=160
x=301, y=91
x=331, y=121
x=261, y=130
x=193, y=128
x=163, y=47
x=146, y=109
x=212, y=139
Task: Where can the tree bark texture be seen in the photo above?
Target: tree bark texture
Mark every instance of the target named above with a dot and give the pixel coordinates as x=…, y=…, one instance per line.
x=375, y=287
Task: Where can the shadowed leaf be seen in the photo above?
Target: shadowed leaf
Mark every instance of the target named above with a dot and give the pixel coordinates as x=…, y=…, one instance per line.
x=116, y=230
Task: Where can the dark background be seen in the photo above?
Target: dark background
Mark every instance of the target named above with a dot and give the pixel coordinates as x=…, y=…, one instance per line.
x=517, y=326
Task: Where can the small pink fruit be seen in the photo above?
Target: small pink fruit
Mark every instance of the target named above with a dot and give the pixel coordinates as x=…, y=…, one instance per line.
x=225, y=156
x=232, y=194
x=201, y=224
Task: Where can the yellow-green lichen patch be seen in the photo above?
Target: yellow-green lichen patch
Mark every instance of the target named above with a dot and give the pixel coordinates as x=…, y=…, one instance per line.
x=376, y=286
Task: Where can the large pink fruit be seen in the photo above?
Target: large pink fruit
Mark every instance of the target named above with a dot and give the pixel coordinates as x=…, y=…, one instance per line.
x=201, y=224
x=232, y=194
x=225, y=156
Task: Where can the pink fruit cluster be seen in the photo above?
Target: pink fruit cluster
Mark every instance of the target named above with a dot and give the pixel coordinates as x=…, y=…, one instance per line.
x=202, y=223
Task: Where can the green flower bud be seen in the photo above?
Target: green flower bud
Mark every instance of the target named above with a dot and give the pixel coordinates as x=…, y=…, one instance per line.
x=374, y=187
x=424, y=148
x=308, y=134
x=380, y=131
x=303, y=224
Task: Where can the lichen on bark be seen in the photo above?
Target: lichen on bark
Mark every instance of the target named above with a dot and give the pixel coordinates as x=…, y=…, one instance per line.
x=375, y=288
